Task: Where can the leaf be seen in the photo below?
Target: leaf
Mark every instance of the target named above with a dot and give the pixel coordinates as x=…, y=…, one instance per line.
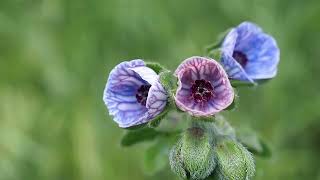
x=218, y=41
x=237, y=83
x=137, y=136
x=156, y=157
x=174, y=122
x=155, y=66
x=223, y=127
x=235, y=101
x=157, y=120
x=253, y=142
x=215, y=54
x=136, y=126
x=262, y=81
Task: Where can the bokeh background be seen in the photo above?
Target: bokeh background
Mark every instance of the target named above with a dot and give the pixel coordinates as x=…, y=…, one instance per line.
x=55, y=56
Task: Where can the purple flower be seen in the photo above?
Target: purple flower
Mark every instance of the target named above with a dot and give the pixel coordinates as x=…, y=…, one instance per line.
x=204, y=88
x=133, y=94
x=249, y=54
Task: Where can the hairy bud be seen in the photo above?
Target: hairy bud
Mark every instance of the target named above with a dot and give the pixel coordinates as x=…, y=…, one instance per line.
x=234, y=160
x=192, y=157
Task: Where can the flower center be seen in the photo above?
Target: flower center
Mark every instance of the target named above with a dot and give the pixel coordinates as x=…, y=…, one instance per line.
x=202, y=91
x=240, y=58
x=142, y=94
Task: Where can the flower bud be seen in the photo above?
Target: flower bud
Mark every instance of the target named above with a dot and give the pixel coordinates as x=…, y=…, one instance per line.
x=234, y=161
x=192, y=157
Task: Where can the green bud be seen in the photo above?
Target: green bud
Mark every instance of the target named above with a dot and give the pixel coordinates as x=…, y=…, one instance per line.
x=176, y=161
x=193, y=157
x=234, y=161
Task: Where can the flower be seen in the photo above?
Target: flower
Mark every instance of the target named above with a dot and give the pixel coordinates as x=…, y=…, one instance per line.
x=133, y=94
x=249, y=54
x=203, y=87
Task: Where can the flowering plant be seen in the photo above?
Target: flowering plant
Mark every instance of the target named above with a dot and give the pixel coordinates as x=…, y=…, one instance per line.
x=181, y=111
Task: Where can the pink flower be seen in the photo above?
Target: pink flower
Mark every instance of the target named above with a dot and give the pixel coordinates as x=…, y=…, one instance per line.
x=204, y=88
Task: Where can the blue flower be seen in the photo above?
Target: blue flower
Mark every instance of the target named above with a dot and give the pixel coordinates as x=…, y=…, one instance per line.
x=133, y=94
x=249, y=54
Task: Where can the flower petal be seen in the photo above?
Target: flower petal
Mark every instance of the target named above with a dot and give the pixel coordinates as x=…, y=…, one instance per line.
x=247, y=30
x=229, y=42
x=157, y=100
x=197, y=68
x=120, y=91
x=263, y=58
x=146, y=74
x=234, y=69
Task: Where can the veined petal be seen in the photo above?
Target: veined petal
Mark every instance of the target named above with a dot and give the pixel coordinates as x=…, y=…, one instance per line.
x=234, y=69
x=246, y=29
x=259, y=54
x=146, y=74
x=264, y=58
x=119, y=94
x=209, y=71
x=157, y=100
x=229, y=42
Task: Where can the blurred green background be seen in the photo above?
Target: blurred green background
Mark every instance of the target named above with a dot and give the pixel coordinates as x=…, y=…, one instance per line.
x=55, y=57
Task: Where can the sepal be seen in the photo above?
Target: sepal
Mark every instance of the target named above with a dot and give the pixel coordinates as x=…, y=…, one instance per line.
x=169, y=82
x=192, y=157
x=218, y=41
x=253, y=142
x=155, y=66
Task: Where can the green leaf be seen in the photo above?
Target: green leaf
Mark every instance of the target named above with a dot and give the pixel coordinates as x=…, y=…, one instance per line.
x=235, y=101
x=253, y=142
x=237, y=83
x=137, y=136
x=223, y=127
x=156, y=157
x=215, y=54
x=157, y=120
x=136, y=127
x=234, y=160
x=218, y=41
x=174, y=122
x=155, y=66
x=262, y=81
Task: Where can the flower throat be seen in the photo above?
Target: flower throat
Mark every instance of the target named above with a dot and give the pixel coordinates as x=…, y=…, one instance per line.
x=202, y=91
x=142, y=94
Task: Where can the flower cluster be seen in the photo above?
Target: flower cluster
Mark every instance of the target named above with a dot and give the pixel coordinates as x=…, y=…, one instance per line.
x=138, y=93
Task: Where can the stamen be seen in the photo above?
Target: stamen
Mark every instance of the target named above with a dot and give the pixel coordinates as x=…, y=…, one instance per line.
x=202, y=90
x=240, y=57
x=142, y=94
